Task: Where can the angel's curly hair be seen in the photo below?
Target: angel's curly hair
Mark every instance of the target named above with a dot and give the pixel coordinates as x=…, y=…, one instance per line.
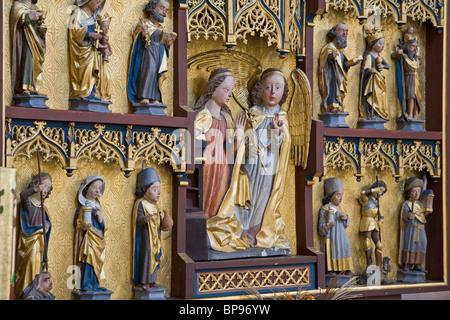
x=256, y=91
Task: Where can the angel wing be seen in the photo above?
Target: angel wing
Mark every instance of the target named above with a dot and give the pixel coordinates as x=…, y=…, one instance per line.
x=299, y=117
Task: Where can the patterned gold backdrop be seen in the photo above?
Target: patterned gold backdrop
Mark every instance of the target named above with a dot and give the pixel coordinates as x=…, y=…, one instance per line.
x=268, y=58
x=390, y=205
x=125, y=15
x=391, y=202
x=117, y=203
x=118, y=198
x=356, y=47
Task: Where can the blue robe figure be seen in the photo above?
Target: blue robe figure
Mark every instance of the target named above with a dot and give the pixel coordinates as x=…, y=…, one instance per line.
x=148, y=63
x=90, y=242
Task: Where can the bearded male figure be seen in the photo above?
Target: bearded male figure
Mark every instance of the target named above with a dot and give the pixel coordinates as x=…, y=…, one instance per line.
x=407, y=77
x=149, y=56
x=333, y=68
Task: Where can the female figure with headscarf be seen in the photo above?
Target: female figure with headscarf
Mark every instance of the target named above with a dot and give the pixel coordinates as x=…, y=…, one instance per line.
x=213, y=125
x=148, y=222
x=28, y=46
x=31, y=253
x=88, y=72
x=89, y=223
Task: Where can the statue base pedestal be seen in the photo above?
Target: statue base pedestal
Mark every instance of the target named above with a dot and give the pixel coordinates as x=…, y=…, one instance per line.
x=154, y=109
x=78, y=104
x=377, y=124
x=155, y=293
x=343, y=279
x=411, y=125
x=410, y=276
x=30, y=101
x=92, y=295
x=334, y=119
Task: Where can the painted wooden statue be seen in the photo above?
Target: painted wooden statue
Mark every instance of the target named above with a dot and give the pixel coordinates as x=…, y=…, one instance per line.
x=408, y=59
x=373, y=93
x=333, y=223
x=31, y=247
x=213, y=124
x=370, y=227
x=413, y=239
x=28, y=32
x=89, y=76
x=103, y=22
x=90, y=227
x=148, y=222
x=149, y=56
x=249, y=215
x=333, y=68
x=39, y=288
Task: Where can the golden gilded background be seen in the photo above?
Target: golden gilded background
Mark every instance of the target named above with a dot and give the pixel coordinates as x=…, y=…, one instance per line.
x=390, y=206
x=355, y=47
x=268, y=58
x=125, y=15
x=117, y=203
x=118, y=198
x=391, y=202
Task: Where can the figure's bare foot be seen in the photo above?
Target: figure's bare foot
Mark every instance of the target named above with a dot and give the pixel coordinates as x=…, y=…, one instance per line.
x=145, y=287
x=144, y=101
x=26, y=93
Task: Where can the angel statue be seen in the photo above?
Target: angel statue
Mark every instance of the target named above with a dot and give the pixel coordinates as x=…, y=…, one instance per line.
x=373, y=106
x=28, y=31
x=333, y=69
x=249, y=215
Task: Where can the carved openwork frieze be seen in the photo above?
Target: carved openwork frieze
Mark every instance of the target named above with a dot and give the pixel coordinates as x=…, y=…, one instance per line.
x=399, y=10
x=67, y=142
x=358, y=154
x=280, y=21
x=223, y=282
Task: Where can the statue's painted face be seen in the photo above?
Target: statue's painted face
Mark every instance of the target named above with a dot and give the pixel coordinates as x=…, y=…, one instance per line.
x=336, y=199
x=341, y=35
x=94, y=5
x=47, y=183
x=272, y=90
x=414, y=194
x=94, y=190
x=224, y=91
x=153, y=192
x=379, y=45
x=162, y=8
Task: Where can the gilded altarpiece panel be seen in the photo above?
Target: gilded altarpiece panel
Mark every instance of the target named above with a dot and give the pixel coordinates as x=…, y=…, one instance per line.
x=125, y=16
x=257, y=39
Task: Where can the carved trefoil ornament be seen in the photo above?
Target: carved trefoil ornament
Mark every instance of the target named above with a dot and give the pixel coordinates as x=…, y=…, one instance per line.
x=281, y=22
x=68, y=142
